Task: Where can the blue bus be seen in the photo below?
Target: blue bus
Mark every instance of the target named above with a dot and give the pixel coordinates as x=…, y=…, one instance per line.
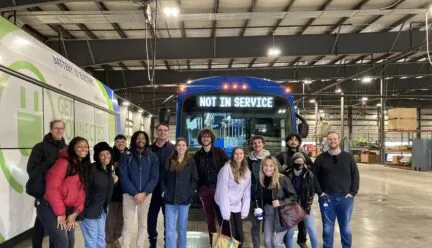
x=236, y=108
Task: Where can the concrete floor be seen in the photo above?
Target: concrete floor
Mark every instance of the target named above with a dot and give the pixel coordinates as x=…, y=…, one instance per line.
x=392, y=209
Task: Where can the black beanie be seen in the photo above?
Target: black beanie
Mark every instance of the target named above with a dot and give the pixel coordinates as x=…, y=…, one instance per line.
x=99, y=147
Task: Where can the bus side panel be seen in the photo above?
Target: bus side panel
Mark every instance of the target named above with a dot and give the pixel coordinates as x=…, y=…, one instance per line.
x=21, y=111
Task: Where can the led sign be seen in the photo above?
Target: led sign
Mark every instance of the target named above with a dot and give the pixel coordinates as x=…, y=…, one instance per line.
x=235, y=101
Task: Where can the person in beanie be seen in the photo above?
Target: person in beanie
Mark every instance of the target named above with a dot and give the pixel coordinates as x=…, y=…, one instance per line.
x=99, y=188
x=338, y=183
x=304, y=183
x=293, y=142
x=114, y=222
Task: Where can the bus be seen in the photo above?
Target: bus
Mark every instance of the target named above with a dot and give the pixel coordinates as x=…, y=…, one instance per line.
x=38, y=85
x=236, y=108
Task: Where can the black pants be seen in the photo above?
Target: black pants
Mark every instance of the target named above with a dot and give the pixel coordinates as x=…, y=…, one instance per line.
x=301, y=236
x=38, y=231
x=152, y=216
x=58, y=238
x=234, y=227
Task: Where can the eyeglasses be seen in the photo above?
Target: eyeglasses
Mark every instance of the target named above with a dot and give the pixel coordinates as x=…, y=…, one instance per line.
x=162, y=130
x=58, y=128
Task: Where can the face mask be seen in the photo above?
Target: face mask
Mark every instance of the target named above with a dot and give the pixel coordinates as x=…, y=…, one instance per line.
x=298, y=166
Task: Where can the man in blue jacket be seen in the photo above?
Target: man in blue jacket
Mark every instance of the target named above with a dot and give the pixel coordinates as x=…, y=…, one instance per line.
x=139, y=175
x=163, y=148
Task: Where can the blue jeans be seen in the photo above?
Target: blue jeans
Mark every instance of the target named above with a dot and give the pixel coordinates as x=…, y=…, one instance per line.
x=172, y=213
x=341, y=208
x=310, y=227
x=93, y=231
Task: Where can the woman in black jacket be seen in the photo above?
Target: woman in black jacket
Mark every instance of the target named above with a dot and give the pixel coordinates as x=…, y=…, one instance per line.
x=304, y=183
x=99, y=190
x=276, y=191
x=178, y=181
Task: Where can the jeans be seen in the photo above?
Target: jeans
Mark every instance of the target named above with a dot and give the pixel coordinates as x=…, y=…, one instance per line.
x=272, y=239
x=129, y=209
x=256, y=226
x=58, y=238
x=155, y=205
x=172, y=214
x=114, y=222
x=38, y=234
x=206, y=195
x=310, y=227
x=341, y=208
x=301, y=235
x=93, y=231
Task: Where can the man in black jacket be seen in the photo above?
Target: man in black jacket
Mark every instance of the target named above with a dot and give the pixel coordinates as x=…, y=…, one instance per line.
x=338, y=183
x=163, y=148
x=41, y=159
x=209, y=160
x=293, y=142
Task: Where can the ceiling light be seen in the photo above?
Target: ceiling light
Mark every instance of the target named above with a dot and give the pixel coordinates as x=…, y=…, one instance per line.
x=273, y=52
x=403, y=77
x=418, y=77
x=140, y=110
x=171, y=12
x=125, y=103
x=189, y=81
x=388, y=78
x=366, y=80
x=321, y=111
x=312, y=101
x=338, y=90
x=378, y=104
x=364, y=98
x=307, y=81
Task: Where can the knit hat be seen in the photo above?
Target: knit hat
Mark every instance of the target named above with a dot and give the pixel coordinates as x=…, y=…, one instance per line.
x=99, y=147
x=298, y=155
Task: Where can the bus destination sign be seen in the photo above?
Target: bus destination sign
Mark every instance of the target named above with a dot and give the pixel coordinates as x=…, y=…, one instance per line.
x=235, y=101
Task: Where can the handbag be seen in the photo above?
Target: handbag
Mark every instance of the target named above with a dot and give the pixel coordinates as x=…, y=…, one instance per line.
x=222, y=241
x=290, y=215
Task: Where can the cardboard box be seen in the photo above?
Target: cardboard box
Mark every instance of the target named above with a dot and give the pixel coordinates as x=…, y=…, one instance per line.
x=369, y=157
x=402, y=124
x=402, y=113
x=396, y=160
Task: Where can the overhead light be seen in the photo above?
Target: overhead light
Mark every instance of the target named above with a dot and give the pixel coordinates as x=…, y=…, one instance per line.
x=295, y=107
x=150, y=115
x=378, y=104
x=141, y=111
x=338, y=90
x=189, y=81
x=364, y=98
x=171, y=12
x=403, y=77
x=366, y=80
x=312, y=101
x=307, y=81
x=418, y=77
x=273, y=52
x=125, y=103
x=321, y=111
x=388, y=78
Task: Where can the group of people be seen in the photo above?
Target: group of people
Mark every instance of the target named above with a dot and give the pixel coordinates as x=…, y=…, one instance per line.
x=104, y=196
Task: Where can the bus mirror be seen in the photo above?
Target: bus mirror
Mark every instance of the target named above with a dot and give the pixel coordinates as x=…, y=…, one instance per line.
x=303, y=129
x=164, y=114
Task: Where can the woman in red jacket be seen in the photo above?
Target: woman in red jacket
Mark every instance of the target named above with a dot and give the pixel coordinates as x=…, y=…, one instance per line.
x=65, y=193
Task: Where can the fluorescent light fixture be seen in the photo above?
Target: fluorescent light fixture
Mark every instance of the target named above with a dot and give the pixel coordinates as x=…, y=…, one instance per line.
x=273, y=52
x=321, y=111
x=378, y=104
x=312, y=101
x=364, y=98
x=307, y=81
x=171, y=12
x=338, y=90
x=141, y=111
x=366, y=80
x=403, y=77
x=418, y=77
x=125, y=103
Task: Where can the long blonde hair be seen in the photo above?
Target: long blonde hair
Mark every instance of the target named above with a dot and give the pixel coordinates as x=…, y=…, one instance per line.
x=238, y=173
x=275, y=177
x=173, y=163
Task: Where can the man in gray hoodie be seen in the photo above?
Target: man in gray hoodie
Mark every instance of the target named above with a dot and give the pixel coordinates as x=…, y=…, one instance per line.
x=254, y=161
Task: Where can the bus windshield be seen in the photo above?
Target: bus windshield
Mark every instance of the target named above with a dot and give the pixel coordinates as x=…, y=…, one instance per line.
x=234, y=119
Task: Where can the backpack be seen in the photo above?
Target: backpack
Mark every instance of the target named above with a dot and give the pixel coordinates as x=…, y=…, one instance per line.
x=36, y=186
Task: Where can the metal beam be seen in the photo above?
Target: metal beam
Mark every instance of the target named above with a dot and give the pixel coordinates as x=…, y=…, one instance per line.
x=82, y=26
x=246, y=23
x=215, y=10
x=235, y=47
x=344, y=19
x=376, y=18
x=139, y=77
x=9, y=5
x=115, y=25
x=321, y=8
x=279, y=21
